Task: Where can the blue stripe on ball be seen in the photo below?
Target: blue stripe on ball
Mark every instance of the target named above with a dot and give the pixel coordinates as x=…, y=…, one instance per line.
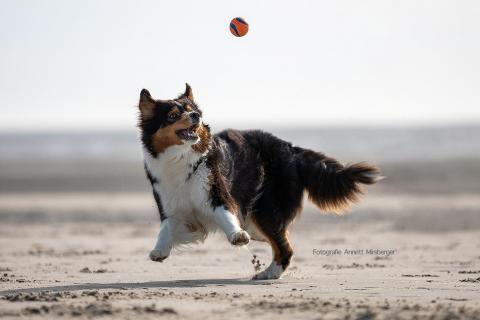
x=234, y=29
x=241, y=21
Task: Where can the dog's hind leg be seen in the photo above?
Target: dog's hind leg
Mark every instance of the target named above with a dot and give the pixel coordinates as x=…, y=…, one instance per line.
x=282, y=253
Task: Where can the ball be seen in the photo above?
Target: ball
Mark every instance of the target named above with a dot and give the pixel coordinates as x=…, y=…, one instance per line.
x=238, y=27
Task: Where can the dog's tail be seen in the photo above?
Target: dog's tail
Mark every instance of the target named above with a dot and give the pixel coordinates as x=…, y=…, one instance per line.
x=330, y=185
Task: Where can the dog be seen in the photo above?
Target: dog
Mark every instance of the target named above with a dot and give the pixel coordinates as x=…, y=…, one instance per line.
x=248, y=184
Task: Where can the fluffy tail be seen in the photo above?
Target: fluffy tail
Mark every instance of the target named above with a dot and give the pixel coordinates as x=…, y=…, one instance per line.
x=330, y=185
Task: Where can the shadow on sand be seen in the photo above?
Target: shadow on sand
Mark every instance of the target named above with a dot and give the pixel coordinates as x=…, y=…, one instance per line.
x=140, y=285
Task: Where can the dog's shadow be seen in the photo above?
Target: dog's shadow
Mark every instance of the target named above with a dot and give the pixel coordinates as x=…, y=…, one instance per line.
x=140, y=285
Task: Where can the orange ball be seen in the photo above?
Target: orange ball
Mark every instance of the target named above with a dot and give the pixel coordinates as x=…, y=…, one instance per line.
x=238, y=27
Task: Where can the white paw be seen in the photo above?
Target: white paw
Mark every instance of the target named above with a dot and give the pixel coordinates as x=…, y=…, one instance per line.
x=239, y=238
x=157, y=255
x=274, y=271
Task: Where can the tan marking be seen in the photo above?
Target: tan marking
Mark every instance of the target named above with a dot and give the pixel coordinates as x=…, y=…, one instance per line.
x=173, y=111
x=167, y=137
x=277, y=257
x=196, y=227
x=202, y=145
x=276, y=253
x=191, y=227
x=188, y=108
x=337, y=206
x=274, y=244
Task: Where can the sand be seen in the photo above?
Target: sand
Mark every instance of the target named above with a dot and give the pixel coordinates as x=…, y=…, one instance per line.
x=75, y=235
x=343, y=268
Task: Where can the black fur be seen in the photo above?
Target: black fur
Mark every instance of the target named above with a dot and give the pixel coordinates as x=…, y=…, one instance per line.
x=267, y=177
x=259, y=176
x=156, y=196
x=330, y=185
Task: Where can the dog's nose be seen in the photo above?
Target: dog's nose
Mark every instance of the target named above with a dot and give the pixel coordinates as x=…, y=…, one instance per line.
x=195, y=116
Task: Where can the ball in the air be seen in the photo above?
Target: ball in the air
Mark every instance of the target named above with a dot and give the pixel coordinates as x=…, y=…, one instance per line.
x=238, y=27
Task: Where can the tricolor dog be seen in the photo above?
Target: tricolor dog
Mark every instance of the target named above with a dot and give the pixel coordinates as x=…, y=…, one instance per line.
x=248, y=184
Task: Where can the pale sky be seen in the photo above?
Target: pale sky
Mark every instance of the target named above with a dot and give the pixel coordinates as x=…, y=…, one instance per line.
x=81, y=64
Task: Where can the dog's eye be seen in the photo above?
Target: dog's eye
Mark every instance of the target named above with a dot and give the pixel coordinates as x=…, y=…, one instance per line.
x=172, y=116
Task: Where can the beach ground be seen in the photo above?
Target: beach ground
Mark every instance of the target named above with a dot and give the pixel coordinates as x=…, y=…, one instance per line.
x=87, y=269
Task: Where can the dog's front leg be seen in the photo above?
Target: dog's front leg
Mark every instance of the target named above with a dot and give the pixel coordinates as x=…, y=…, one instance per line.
x=164, y=242
x=229, y=223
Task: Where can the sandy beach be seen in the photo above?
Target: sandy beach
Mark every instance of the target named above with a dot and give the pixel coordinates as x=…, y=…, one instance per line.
x=343, y=269
x=72, y=247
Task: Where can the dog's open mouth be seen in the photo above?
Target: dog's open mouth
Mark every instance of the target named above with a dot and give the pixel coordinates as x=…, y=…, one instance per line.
x=188, y=134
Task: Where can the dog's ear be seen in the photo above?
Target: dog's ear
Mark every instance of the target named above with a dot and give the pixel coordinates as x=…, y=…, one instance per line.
x=146, y=104
x=188, y=92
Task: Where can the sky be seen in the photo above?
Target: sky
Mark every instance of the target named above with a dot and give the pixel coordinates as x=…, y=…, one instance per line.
x=80, y=65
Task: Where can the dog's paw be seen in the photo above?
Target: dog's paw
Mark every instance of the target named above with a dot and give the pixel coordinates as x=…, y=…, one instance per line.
x=157, y=256
x=239, y=238
x=273, y=271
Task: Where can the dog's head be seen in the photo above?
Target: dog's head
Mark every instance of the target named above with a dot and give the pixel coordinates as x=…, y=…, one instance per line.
x=169, y=123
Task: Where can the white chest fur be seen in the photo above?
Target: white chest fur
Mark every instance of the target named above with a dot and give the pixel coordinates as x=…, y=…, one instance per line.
x=182, y=182
x=184, y=192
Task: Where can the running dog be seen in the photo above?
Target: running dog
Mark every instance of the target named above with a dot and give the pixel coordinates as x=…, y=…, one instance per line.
x=249, y=184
